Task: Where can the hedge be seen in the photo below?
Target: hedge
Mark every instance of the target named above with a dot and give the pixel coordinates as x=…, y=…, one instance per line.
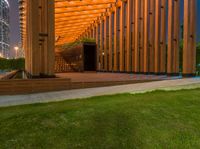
x=12, y=64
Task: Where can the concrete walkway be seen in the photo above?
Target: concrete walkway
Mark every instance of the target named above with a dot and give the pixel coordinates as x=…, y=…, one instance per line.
x=85, y=93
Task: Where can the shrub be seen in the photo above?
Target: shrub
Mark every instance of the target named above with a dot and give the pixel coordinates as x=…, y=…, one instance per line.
x=12, y=64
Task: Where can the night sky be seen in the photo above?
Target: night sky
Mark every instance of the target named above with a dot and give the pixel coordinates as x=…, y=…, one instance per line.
x=14, y=21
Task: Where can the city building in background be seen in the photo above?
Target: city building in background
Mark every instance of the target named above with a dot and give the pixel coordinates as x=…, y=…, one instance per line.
x=4, y=29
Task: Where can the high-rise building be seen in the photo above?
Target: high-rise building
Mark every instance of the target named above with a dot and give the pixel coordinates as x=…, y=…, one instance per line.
x=4, y=28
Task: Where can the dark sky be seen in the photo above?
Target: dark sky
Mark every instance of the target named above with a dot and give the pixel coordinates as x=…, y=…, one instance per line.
x=14, y=21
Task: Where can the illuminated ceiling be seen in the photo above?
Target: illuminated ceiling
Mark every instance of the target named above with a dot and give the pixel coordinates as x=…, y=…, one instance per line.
x=72, y=17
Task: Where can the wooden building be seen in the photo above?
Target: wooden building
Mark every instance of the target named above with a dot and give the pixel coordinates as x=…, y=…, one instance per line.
x=139, y=36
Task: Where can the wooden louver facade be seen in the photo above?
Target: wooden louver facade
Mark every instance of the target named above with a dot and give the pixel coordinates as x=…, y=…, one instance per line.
x=139, y=36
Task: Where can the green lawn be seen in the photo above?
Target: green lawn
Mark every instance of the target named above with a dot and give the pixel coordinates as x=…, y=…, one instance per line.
x=157, y=120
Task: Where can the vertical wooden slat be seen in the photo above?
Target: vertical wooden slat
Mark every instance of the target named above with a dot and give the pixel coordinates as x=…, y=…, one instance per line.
x=173, y=37
x=193, y=13
x=128, y=36
x=97, y=42
x=170, y=37
x=141, y=36
x=101, y=45
x=110, y=42
x=33, y=37
x=146, y=47
x=122, y=50
x=133, y=36
x=94, y=34
x=189, y=48
x=136, y=54
x=163, y=37
x=51, y=37
x=115, y=39
x=152, y=35
x=157, y=36
x=105, y=43
x=176, y=38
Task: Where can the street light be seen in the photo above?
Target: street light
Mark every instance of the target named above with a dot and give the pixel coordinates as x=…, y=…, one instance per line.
x=16, y=50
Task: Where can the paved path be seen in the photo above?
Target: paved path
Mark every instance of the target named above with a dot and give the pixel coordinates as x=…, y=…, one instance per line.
x=85, y=93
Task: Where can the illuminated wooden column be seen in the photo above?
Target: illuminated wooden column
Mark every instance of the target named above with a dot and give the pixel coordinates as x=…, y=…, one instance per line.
x=110, y=42
x=146, y=39
x=152, y=36
x=141, y=36
x=47, y=37
x=137, y=25
x=189, y=49
x=90, y=32
x=173, y=37
x=133, y=36
x=97, y=42
x=87, y=33
x=93, y=32
x=163, y=51
x=106, y=43
x=101, y=44
x=32, y=28
x=122, y=49
x=157, y=36
x=128, y=36
x=115, y=39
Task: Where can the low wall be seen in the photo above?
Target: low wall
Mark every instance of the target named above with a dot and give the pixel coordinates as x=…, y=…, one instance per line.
x=12, y=87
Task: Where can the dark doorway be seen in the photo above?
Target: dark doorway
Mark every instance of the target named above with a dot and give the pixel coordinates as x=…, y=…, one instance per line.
x=89, y=57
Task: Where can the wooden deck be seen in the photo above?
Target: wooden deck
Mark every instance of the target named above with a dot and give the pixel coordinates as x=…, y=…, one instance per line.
x=68, y=81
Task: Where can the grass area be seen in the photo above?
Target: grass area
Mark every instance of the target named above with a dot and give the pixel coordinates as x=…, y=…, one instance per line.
x=157, y=120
